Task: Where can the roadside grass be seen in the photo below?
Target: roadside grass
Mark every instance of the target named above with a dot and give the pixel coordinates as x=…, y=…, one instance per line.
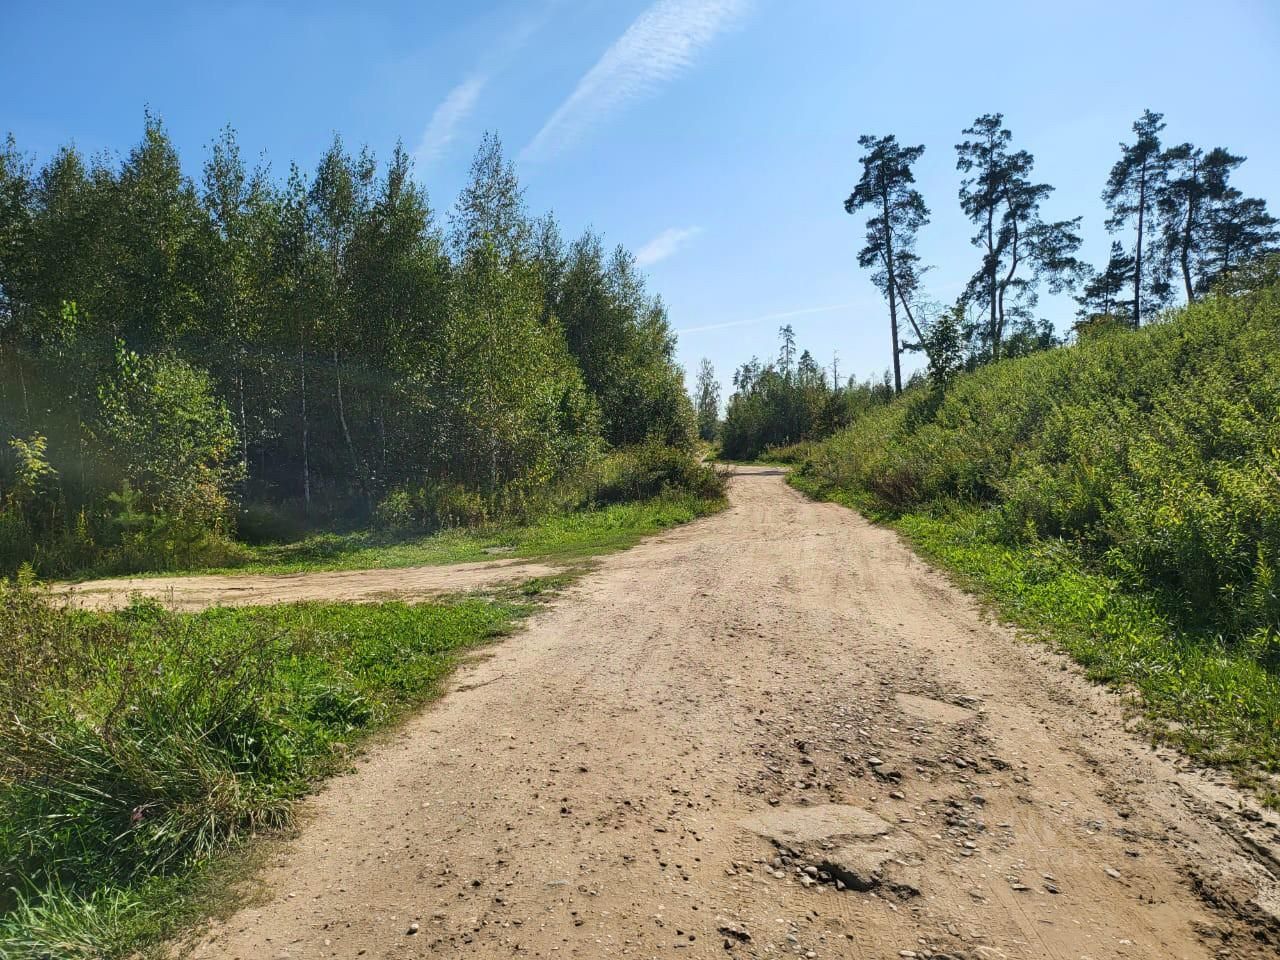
x=792, y=453
x=558, y=537
x=1216, y=700
x=141, y=750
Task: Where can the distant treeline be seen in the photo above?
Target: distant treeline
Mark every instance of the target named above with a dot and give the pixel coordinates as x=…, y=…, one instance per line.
x=776, y=404
x=169, y=347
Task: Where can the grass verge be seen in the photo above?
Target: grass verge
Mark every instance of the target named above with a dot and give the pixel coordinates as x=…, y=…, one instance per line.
x=563, y=537
x=140, y=750
x=1215, y=700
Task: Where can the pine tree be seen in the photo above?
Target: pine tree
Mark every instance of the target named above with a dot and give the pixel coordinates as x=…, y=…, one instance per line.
x=999, y=197
x=1135, y=183
x=1103, y=293
x=897, y=213
x=787, y=354
x=1237, y=229
x=707, y=401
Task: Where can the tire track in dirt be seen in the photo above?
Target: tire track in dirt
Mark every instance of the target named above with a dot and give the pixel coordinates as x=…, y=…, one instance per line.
x=353, y=586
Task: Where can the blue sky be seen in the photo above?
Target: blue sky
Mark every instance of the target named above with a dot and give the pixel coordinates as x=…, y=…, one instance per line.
x=717, y=138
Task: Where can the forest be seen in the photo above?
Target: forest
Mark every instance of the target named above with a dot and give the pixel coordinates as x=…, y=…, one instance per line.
x=1181, y=227
x=189, y=364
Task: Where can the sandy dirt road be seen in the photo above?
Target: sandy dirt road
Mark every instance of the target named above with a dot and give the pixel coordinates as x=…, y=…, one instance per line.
x=355, y=586
x=651, y=766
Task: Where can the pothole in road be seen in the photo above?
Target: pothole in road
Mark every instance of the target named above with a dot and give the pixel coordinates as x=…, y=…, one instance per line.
x=927, y=708
x=840, y=844
x=788, y=825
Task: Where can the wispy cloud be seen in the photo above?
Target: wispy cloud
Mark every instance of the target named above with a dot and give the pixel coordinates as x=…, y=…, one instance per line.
x=666, y=243
x=785, y=315
x=658, y=46
x=453, y=109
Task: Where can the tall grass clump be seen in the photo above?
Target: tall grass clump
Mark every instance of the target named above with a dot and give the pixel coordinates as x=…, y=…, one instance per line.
x=1151, y=457
x=134, y=746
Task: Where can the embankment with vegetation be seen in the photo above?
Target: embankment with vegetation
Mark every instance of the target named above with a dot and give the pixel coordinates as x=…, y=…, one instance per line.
x=1122, y=494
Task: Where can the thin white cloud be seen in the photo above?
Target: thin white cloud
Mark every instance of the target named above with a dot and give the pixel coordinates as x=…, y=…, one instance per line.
x=453, y=109
x=785, y=315
x=665, y=244
x=658, y=46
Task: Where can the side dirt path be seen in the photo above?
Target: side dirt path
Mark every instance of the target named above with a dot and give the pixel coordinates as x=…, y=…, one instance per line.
x=238, y=590
x=773, y=732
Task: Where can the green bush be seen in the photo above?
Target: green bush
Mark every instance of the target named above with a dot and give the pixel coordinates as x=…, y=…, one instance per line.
x=626, y=475
x=432, y=506
x=653, y=469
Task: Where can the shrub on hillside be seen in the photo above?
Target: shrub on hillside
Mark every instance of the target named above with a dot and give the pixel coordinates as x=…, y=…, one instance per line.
x=1156, y=451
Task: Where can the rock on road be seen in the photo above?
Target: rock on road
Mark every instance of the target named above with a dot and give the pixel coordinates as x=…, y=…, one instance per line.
x=772, y=732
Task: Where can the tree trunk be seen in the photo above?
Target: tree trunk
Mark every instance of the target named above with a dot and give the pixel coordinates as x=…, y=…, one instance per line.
x=1004, y=285
x=993, y=329
x=342, y=420
x=244, y=422
x=1188, y=229
x=893, y=292
x=1137, y=259
x=306, y=453
x=22, y=380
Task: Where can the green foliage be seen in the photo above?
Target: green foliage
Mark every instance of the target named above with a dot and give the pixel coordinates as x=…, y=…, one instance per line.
x=707, y=402
x=34, y=494
x=310, y=346
x=774, y=406
x=653, y=470
x=432, y=506
x=136, y=745
x=1144, y=460
x=623, y=343
x=170, y=437
x=943, y=342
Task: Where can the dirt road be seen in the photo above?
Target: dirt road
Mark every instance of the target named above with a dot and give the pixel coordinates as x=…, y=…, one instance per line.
x=239, y=590
x=773, y=732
